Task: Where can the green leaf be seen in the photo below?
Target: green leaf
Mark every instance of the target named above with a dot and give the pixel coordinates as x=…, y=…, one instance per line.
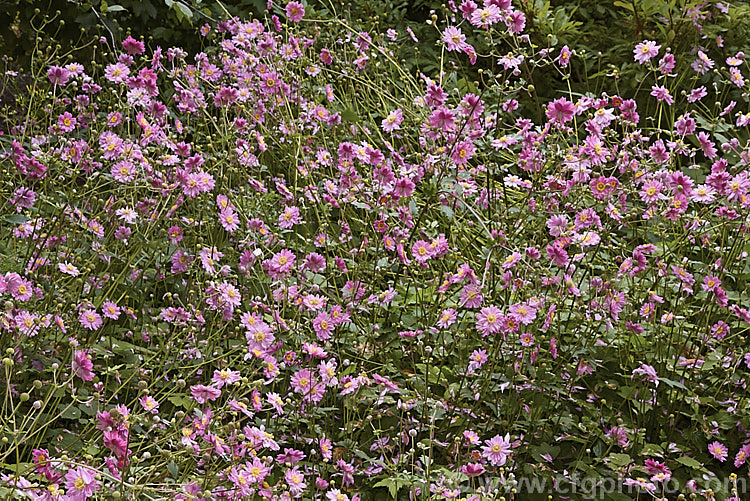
x=393, y=485
x=349, y=115
x=447, y=211
x=673, y=384
x=390, y=483
x=185, y=10
x=543, y=450
x=71, y=413
x=179, y=401
x=623, y=5
x=16, y=219
x=619, y=459
x=116, y=8
x=689, y=462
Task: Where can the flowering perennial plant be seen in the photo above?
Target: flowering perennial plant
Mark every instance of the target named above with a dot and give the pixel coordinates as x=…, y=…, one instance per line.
x=288, y=268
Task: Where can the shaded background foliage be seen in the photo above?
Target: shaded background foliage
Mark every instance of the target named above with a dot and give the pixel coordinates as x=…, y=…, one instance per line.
x=601, y=33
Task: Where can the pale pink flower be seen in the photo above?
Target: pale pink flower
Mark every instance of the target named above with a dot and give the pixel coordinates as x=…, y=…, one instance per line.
x=90, y=319
x=393, y=121
x=454, y=39
x=644, y=51
x=718, y=450
x=80, y=484
x=497, y=450
x=489, y=320
x=68, y=269
x=149, y=404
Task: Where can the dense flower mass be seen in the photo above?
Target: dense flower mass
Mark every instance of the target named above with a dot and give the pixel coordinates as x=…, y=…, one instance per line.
x=289, y=267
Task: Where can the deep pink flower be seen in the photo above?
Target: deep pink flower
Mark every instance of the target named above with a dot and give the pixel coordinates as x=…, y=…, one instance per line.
x=706, y=145
x=43, y=465
x=82, y=365
x=117, y=442
x=515, y=21
x=66, y=122
x=133, y=46
x=20, y=288
x=742, y=456
x=564, y=58
x=295, y=11
x=471, y=296
x=558, y=255
x=697, y=94
x=58, y=75
x=203, y=394
x=661, y=94
x=443, y=119
x=560, y=111
x=282, y=262
x=486, y=16
x=463, y=152
x=289, y=218
x=323, y=325
x=472, y=469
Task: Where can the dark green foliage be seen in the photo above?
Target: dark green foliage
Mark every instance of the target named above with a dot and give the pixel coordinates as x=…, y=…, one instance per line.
x=77, y=23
